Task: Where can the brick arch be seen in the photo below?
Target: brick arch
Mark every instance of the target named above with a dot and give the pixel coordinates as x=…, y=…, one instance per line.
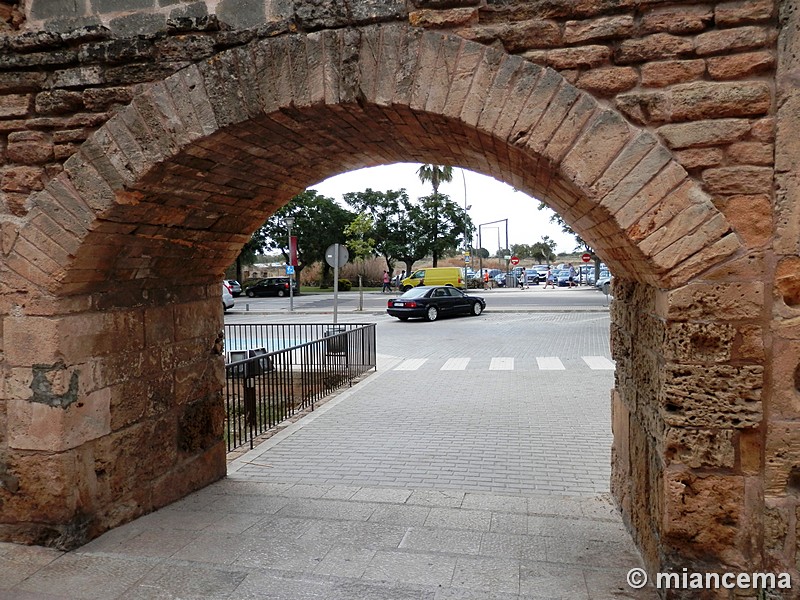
x=158, y=201
x=196, y=162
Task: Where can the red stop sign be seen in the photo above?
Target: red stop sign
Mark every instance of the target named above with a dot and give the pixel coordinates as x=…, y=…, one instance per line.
x=514, y=260
x=586, y=257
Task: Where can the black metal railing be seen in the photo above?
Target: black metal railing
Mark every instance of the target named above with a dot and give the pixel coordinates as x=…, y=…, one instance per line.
x=275, y=371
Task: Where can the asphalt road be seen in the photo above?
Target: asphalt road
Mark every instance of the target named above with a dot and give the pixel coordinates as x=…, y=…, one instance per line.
x=584, y=298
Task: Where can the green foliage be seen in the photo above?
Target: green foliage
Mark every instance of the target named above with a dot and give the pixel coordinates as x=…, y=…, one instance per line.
x=345, y=285
x=318, y=223
x=436, y=174
x=358, y=233
x=482, y=253
x=408, y=231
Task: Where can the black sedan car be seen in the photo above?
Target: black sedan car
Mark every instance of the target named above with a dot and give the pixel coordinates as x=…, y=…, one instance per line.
x=429, y=302
x=271, y=286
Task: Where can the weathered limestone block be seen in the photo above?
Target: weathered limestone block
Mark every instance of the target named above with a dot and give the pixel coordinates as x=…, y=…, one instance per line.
x=21, y=179
x=699, y=342
x=703, y=515
x=785, y=369
x=659, y=46
x=714, y=396
x=669, y=72
x=57, y=102
x=609, y=81
x=602, y=28
x=29, y=147
x=454, y=17
x=704, y=133
x=679, y=19
x=751, y=217
x=644, y=107
x=15, y=105
x=751, y=153
x=728, y=14
x=705, y=100
x=43, y=423
x=743, y=179
x=787, y=281
x=700, y=158
x=740, y=66
x=782, y=459
x=725, y=41
x=700, y=448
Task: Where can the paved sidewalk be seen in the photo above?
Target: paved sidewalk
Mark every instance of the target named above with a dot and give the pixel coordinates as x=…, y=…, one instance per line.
x=414, y=484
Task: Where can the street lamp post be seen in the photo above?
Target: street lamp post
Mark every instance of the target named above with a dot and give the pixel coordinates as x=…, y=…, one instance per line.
x=289, y=223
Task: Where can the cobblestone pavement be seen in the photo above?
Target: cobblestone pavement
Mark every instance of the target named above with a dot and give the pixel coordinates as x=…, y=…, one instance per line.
x=467, y=483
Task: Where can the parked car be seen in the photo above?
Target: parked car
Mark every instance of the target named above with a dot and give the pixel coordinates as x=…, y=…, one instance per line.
x=227, y=298
x=271, y=286
x=432, y=302
x=531, y=278
x=434, y=276
x=235, y=287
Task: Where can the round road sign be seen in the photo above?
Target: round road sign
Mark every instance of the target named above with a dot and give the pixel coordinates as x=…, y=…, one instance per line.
x=586, y=257
x=331, y=255
x=514, y=260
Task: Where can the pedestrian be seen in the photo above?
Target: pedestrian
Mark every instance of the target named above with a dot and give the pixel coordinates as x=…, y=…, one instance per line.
x=485, y=278
x=572, y=275
x=549, y=279
x=522, y=278
x=386, y=279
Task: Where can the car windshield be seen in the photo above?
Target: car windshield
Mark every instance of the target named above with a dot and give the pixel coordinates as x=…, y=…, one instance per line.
x=416, y=292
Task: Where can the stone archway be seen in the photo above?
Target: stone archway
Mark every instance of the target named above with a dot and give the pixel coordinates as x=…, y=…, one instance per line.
x=123, y=362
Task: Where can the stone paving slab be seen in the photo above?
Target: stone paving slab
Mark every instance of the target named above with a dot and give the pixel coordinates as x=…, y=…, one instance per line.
x=192, y=549
x=469, y=489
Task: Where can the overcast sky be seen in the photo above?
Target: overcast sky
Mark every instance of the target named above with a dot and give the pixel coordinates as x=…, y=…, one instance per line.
x=490, y=200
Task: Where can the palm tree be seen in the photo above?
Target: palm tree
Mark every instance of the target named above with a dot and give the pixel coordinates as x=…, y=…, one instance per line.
x=436, y=174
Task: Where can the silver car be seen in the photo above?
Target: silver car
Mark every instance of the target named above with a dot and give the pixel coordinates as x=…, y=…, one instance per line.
x=227, y=297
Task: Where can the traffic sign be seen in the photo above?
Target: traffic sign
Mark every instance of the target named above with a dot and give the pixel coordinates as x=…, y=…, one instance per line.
x=289, y=270
x=337, y=252
x=514, y=260
x=586, y=257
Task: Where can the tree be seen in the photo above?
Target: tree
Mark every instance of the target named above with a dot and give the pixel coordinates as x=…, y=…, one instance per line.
x=408, y=231
x=544, y=251
x=361, y=247
x=444, y=223
x=387, y=212
x=318, y=223
x=436, y=174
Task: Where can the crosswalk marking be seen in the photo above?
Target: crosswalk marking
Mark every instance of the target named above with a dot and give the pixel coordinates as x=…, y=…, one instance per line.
x=455, y=364
x=550, y=363
x=509, y=363
x=502, y=363
x=599, y=363
x=410, y=364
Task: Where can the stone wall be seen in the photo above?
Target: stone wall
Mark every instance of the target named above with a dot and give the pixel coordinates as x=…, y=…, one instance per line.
x=686, y=95
x=125, y=415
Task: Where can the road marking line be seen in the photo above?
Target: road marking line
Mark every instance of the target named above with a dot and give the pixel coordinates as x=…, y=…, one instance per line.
x=502, y=363
x=599, y=363
x=455, y=364
x=550, y=363
x=411, y=364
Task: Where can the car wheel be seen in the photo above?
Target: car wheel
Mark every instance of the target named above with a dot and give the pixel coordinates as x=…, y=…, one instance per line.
x=224, y=308
x=405, y=288
x=250, y=293
x=281, y=293
x=432, y=313
x=477, y=309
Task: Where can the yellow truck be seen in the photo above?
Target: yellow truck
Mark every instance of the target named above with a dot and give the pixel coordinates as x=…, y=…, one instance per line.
x=434, y=276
